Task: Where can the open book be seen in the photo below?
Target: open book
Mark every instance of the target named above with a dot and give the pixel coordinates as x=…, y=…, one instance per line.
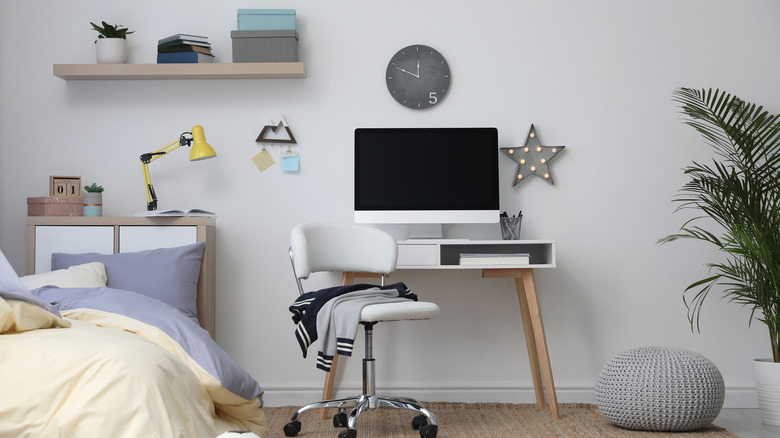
x=160, y=213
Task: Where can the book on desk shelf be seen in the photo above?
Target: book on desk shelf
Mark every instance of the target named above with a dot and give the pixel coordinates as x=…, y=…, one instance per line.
x=495, y=259
x=195, y=212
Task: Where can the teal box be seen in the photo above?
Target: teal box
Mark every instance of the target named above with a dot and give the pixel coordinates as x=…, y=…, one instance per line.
x=266, y=19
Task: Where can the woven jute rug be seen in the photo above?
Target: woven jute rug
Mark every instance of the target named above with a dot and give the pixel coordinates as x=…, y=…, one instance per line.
x=484, y=420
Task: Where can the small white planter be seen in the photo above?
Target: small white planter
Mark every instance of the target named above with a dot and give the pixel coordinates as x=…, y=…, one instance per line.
x=111, y=51
x=767, y=374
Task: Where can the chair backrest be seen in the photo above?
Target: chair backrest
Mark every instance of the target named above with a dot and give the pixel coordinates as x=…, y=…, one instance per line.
x=318, y=247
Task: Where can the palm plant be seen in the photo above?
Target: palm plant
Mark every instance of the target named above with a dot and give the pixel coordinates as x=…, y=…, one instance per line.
x=740, y=191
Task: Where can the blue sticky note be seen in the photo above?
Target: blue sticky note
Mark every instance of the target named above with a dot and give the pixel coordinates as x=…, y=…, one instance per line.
x=291, y=163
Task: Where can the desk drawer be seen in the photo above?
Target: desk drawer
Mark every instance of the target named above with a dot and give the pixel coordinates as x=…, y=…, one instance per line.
x=417, y=255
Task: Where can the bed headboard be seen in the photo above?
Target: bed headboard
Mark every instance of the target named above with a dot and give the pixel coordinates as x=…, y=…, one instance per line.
x=110, y=235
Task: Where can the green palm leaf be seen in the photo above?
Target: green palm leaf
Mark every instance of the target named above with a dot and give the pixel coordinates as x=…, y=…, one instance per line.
x=740, y=192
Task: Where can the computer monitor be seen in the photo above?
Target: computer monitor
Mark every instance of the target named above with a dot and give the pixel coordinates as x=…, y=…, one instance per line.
x=426, y=175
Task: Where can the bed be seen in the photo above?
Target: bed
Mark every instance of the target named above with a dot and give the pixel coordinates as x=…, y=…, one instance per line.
x=92, y=348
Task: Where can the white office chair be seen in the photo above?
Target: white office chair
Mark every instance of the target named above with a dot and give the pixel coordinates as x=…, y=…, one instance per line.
x=354, y=248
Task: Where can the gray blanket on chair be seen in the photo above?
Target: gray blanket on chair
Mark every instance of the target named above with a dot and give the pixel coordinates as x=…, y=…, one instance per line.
x=339, y=318
x=307, y=307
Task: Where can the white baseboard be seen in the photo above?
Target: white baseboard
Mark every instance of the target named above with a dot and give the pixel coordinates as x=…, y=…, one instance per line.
x=737, y=396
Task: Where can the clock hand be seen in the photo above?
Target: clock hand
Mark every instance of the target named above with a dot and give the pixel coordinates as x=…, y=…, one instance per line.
x=408, y=72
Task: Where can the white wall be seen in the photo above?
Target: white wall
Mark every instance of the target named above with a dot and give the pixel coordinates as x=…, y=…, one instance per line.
x=594, y=76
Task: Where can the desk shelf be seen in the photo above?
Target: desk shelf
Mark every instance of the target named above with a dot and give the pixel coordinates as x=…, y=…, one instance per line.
x=239, y=70
x=445, y=253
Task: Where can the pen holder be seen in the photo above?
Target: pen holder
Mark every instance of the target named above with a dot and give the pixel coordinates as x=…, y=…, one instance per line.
x=510, y=227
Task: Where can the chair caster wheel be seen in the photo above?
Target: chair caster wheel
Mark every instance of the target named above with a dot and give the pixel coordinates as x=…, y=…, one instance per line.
x=340, y=420
x=419, y=421
x=429, y=431
x=349, y=433
x=292, y=428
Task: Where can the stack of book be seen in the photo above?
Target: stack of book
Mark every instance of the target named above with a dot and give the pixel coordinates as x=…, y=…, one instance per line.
x=184, y=48
x=495, y=259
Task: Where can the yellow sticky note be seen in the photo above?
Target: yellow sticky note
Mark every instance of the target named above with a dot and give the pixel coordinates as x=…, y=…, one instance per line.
x=263, y=160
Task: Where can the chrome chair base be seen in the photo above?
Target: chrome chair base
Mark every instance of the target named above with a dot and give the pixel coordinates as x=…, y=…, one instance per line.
x=426, y=422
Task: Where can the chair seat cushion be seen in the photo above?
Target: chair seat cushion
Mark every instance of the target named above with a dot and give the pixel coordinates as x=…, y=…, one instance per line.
x=399, y=311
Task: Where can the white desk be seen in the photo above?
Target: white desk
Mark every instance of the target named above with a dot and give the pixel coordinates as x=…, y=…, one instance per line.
x=444, y=254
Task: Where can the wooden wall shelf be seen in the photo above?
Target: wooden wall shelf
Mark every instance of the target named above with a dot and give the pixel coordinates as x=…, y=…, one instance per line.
x=241, y=70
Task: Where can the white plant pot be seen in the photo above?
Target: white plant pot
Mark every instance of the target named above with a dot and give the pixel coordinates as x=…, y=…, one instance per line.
x=111, y=51
x=767, y=374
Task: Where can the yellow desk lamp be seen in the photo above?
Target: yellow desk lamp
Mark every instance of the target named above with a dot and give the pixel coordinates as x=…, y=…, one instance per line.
x=201, y=150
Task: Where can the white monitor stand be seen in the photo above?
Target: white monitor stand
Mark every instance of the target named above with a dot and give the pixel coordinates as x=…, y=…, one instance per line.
x=425, y=231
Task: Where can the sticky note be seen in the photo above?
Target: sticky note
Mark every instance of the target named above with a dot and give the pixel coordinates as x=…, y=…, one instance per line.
x=263, y=160
x=290, y=161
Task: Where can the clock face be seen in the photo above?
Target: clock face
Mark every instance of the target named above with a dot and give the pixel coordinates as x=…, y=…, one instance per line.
x=418, y=77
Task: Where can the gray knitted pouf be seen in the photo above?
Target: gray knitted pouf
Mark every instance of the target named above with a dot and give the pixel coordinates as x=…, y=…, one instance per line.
x=660, y=389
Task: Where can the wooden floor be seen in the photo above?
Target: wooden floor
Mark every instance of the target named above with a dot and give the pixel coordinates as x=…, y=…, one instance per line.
x=745, y=423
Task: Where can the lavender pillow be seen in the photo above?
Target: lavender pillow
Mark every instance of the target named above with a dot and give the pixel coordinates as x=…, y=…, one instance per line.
x=167, y=274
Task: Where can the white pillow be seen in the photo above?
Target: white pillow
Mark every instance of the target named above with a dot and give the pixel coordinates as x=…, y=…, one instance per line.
x=87, y=275
x=9, y=281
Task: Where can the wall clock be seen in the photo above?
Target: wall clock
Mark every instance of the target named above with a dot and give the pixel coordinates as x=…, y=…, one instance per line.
x=418, y=77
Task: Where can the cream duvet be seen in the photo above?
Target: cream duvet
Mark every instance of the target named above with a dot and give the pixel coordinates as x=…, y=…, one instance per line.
x=98, y=373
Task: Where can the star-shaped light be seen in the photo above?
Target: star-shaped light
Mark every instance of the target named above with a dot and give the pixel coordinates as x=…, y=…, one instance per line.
x=532, y=158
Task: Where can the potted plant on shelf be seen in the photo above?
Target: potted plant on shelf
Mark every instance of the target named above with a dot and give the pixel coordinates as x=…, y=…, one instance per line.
x=737, y=198
x=93, y=200
x=111, y=45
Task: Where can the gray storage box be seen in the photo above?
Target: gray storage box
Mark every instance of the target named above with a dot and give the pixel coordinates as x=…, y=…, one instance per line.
x=265, y=45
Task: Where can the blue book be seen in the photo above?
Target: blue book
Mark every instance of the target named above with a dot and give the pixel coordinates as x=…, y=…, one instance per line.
x=184, y=57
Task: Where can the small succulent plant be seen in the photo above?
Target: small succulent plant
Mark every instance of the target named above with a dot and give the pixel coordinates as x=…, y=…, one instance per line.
x=94, y=188
x=109, y=31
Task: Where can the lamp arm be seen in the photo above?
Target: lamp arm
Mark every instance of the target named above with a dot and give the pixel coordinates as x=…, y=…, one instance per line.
x=181, y=141
x=151, y=196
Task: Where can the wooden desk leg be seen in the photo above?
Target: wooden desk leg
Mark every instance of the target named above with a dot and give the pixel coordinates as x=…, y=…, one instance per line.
x=534, y=333
x=330, y=378
x=541, y=342
x=530, y=342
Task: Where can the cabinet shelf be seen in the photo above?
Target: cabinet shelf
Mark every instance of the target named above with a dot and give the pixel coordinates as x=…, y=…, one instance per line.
x=241, y=70
x=109, y=235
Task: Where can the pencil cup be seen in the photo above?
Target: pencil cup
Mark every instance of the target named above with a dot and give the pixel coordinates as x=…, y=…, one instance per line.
x=510, y=227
